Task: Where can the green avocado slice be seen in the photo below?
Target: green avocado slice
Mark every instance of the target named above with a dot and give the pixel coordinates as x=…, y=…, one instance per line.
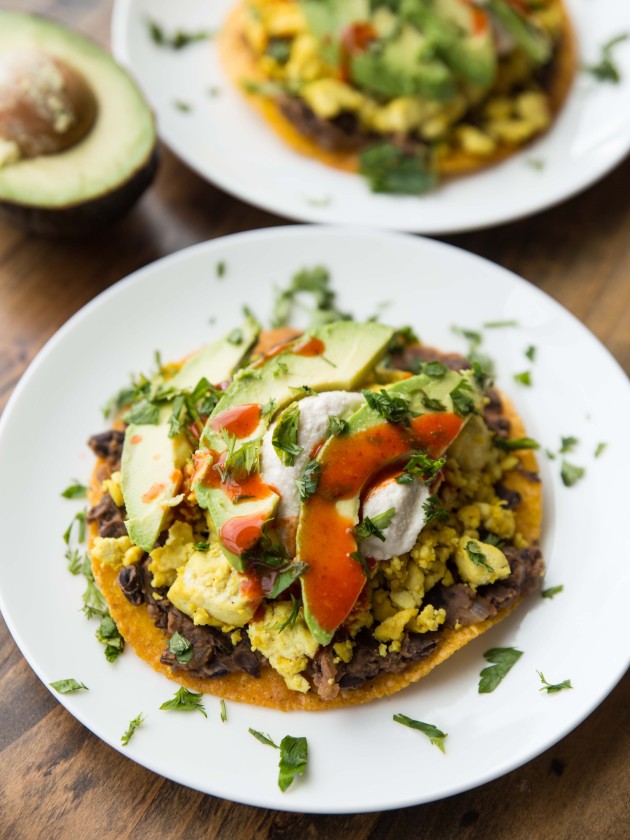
x=438, y=408
x=535, y=42
x=335, y=356
x=152, y=460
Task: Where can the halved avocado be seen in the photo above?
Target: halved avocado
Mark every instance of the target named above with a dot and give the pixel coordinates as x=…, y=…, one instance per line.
x=94, y=151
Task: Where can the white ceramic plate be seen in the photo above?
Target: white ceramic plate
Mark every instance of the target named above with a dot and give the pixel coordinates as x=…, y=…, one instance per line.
x=228, y=143
x=359, y=759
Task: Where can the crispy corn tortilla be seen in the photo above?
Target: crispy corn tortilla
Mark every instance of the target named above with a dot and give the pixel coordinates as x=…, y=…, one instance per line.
x=148, y=641
x=240, y=65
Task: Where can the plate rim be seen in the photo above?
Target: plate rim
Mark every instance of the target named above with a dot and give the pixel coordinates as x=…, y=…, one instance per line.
x=280, y=232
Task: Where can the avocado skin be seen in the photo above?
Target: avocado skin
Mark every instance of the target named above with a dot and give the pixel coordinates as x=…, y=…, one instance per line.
x=83, y=217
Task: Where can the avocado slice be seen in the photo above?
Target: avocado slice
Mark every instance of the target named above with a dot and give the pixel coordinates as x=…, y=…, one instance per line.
x=325, y=537
x=85, y=164
x=403, y=66
x=464, y=38
x=535, y=42
x=152, y=460
x=335, y=356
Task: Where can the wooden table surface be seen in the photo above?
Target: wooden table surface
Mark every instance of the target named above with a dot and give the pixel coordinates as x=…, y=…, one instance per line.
x=59, y=780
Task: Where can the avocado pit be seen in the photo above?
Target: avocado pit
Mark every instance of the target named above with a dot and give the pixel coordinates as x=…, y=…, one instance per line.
x=46, y=105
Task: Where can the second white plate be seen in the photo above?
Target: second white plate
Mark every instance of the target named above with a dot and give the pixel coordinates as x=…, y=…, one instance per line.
x=228, y=143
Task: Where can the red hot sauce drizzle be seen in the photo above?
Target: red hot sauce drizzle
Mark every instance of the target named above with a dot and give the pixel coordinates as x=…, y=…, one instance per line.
x=310, y=347
x=240, y=533
x=334, y=579
x=240, y=420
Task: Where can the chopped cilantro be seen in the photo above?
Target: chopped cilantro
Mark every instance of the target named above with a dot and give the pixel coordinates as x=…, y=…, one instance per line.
x=324, y=201
x=463, y=403
x=185, y=701
x=435, y=735
x=279, y=49
x=494, y=539
x=307, y=485
x=551, y=455
x=374, y=527
x=436, y=370
x=477, y=556
x=75, y=491
x=285, y=434
x=286, y=577
x=433, y=510
x=490, y=325
x=422, y=467
x=599, y=449
x=280, y=369
x=94, y=604
x=360, y=559
x=68, y=686
x=606, y=70
x=512, y=444
x=430, y=403
x=552, y=591
x=394, y=408
x=536, y=163
x=78, y=520
x=503, y=660
x=336, y=425
x=293, y=760
x=178, y=40
x=293, y=756
x=552, y=688
x=473, y=337
x=264, y=739
x=389, y=169
x=293, y=615
x=235, y=337
x=223, y=711
x=182, y=106
x=531, y=353
x=568, y=444
x=303, y=389
x=76, y=560
x=570, y=474
x=143, y=413
x=240, y=461
x=524, y=378
x=133, y=725
x=202, y=546
x=220, y=269
x=109, y=635
x=181, y=648
x=314, y=283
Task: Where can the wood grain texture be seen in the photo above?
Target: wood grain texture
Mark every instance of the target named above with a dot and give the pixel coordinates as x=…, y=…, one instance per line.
x=57, y=779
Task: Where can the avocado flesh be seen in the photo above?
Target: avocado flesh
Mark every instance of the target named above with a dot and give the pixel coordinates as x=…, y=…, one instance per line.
x=404, y=67
x=350, y=351
x=535, y=43
x=153, y=460
x=115, y=160
x=331, y=568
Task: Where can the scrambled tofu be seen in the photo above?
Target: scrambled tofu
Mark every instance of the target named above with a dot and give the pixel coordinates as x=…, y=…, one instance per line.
x=175, y=552
x=288, y=650
x=209, y=590
x=115, y=551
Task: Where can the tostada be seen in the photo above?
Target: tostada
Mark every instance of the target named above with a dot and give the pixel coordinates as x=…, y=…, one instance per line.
x=405, y=91
x=312, y=520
